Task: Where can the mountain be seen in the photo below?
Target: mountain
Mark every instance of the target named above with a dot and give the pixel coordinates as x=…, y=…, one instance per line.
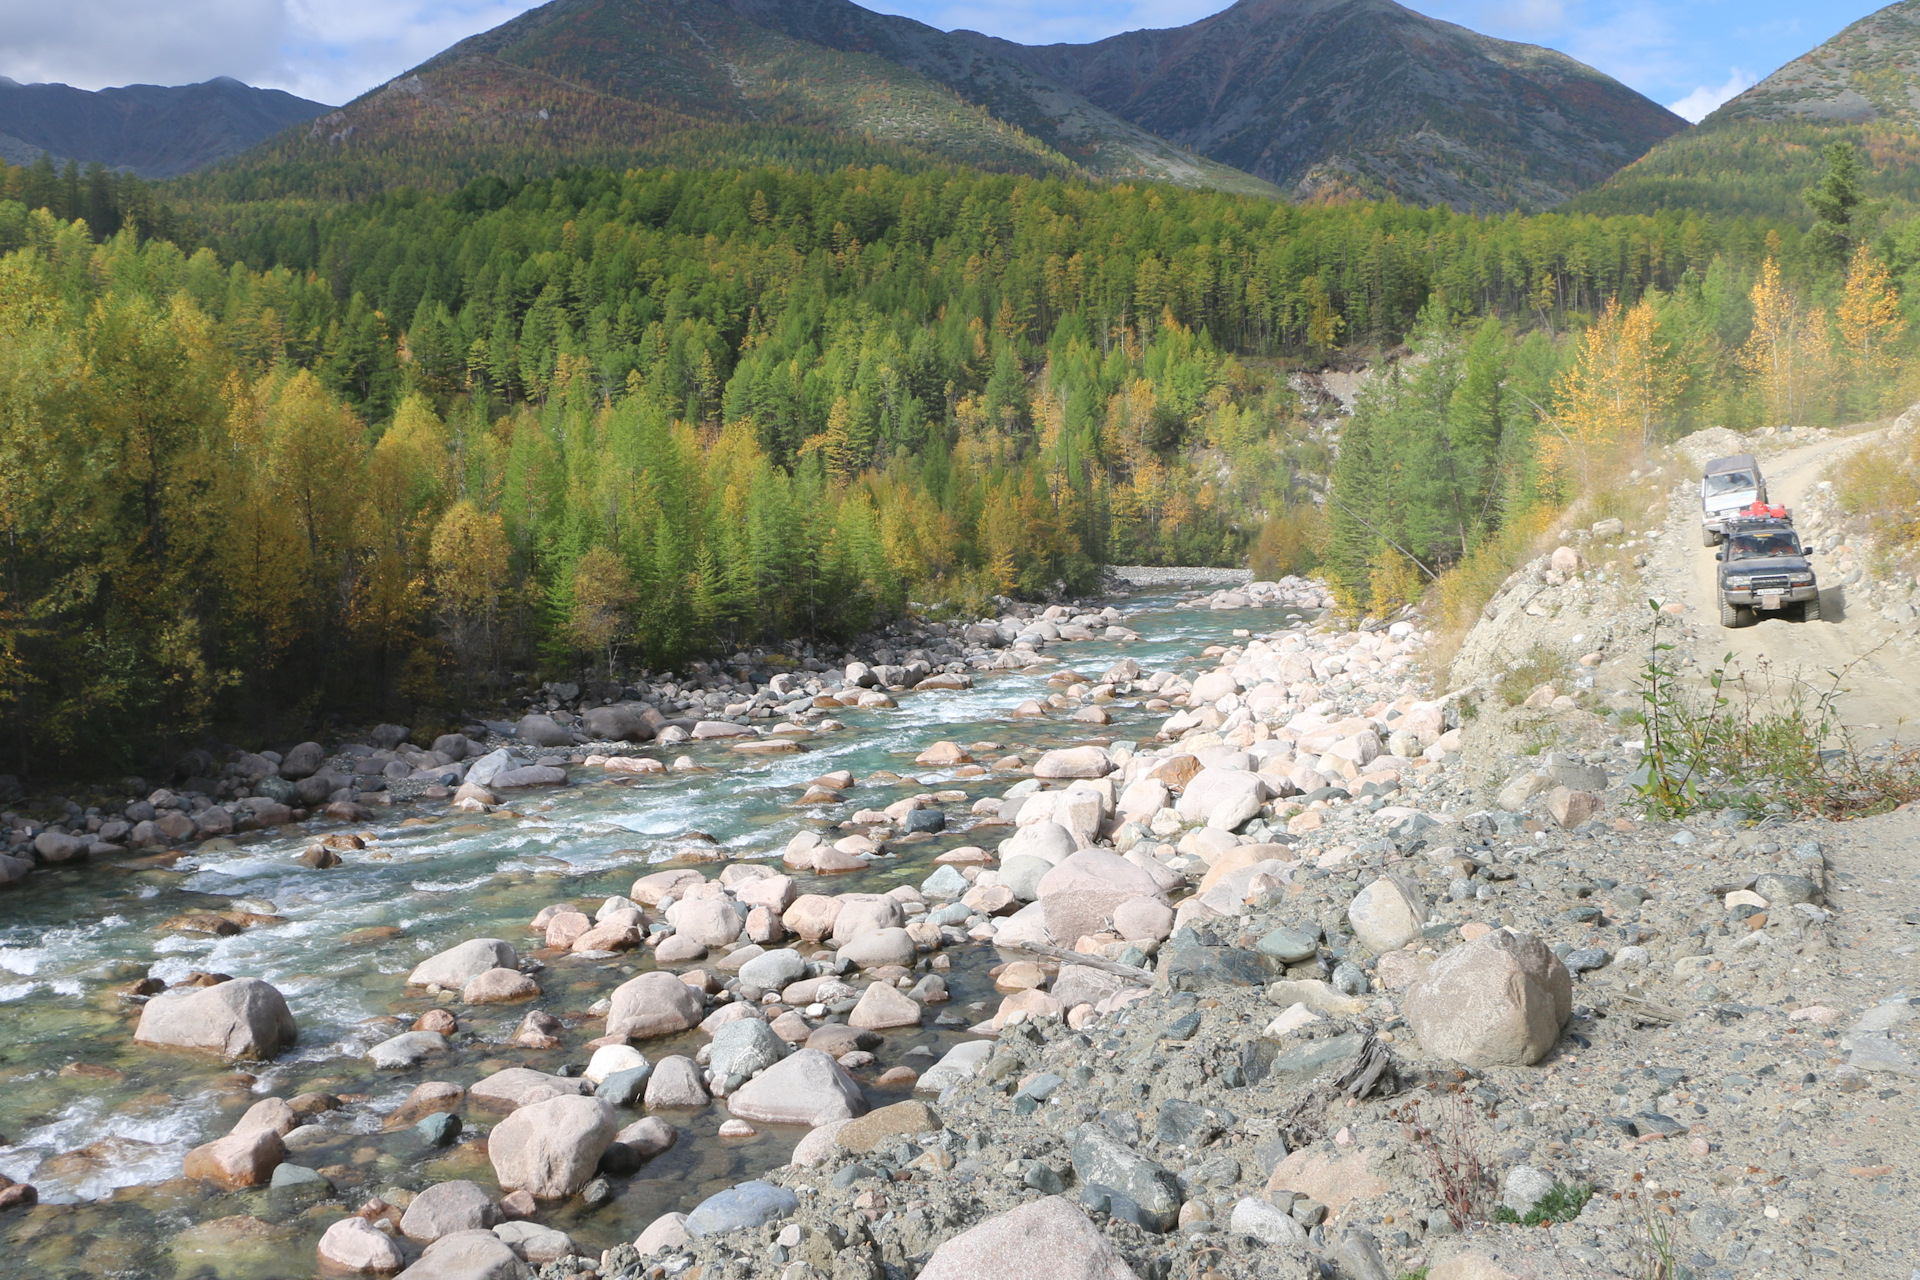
x=1297, y=97
x=153, y=130
x=1864, y=75
x=620, y=82
x=1760, y=150
x=1328, y=94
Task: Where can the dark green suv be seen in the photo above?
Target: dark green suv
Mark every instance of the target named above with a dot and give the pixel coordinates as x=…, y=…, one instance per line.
x=1764, y=569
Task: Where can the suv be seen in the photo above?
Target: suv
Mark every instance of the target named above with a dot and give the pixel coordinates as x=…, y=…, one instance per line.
x=1727, y=487
x=1764, y=570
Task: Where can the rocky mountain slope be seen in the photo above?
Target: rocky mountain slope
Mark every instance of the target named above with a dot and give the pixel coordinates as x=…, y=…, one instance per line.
x=1328, y=94
x=154, y=130
x=1315, y=96
x=819, y=82
x=1864, y=74
x=1756, y=153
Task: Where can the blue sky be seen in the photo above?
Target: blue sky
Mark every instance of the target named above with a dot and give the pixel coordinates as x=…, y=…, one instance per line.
x=1689, y=54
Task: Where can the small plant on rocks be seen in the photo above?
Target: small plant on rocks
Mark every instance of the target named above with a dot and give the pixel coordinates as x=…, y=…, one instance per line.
x=1540, y=665
x=1756, y=738
x=1461, y=1175
x=1655, y=1237
x=1562, y=1204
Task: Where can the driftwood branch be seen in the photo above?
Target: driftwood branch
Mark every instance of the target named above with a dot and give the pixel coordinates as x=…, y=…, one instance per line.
x=1143, y=976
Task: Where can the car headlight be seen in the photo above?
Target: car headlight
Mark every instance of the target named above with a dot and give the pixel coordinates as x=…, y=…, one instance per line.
x=1800, y=579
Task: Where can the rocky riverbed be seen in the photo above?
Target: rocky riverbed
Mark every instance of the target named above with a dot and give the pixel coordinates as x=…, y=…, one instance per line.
x=1233, y=949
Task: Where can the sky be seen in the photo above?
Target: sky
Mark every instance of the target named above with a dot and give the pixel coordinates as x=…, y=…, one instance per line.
x=1691, y=55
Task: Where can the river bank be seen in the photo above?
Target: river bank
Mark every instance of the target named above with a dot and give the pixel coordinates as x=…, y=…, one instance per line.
x=1264, y=870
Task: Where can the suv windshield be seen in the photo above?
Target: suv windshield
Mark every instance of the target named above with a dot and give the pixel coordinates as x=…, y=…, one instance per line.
x=1730, y=482
x=1743, y=546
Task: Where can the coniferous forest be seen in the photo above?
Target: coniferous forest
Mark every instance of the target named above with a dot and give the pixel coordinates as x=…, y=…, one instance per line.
x=269, y=460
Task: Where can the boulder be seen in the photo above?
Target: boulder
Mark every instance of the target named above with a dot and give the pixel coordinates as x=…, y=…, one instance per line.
x=882, y=1007
x=499, y=986
x=303, y=761
x=1570, y=808
x=531, y=775
x=711, y=922
x=1265, y=1222
x=1080, y=896
x=517, y=1087
x=1143, y=798
x=880, y=1128
x=807, y=1088
x=751, y=1204
x=468, y=1255
x=812, y=915
x=648, y=1137
x=741, y=1050
x=651, y=889
x=456, y=966
x=244, y=1158
x=428, y=1098
x=609, y=1060
x=1047, y=841
x=408, y=1049
x=1073, y=762
x=653, y=1004
x=773, y=970
x=447, y=1207
x=617, y=723
x=535, y=1243
x=1101, y=1159
x=1497, y=1001
x=1387, y=914
x=355, y=1244
x=542, y=731
x=675, y=1082
x=55, y=847
x=1143, y=919
x=482, y=772
x=1222, y=798
x=1212, y=686
x=240, y=1018
x=551, y=1149
x=881, y=947
x=1046, y=1239
x=866, y=913
x=776, y=893
x=667, y=1231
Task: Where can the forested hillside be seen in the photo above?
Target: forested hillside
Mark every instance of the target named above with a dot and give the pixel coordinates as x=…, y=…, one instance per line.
x=408, y=449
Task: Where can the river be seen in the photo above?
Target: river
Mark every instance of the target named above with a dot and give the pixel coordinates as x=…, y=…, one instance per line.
x=100, y=1125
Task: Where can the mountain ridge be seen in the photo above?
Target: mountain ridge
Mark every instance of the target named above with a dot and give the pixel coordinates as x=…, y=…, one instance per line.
x=1258, y=86
x=1307, y=98
x=153, y=131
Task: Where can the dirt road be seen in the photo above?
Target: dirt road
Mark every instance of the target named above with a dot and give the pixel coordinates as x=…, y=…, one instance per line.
x=1882, y=689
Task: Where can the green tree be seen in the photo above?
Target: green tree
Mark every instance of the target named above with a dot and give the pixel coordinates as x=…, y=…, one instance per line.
x=1834, y=200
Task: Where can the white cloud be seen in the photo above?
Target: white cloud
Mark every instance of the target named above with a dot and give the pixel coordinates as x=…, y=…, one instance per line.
x=341, y=48
x=330, y=50
x=94, y=43
x=1699, y=104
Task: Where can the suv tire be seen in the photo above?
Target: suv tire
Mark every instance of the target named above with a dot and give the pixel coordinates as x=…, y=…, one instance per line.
x=1732, y=615
x=1708, y=538
x=1810, y=611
